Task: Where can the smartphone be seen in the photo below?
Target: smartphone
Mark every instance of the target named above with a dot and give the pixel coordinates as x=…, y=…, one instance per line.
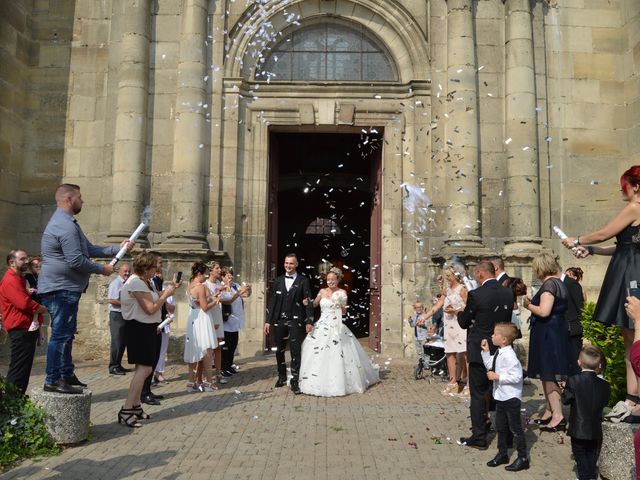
x=178, y=277
x=634, y=291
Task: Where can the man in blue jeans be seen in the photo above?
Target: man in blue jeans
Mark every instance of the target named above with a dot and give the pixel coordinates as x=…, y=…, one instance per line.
x=66, y=268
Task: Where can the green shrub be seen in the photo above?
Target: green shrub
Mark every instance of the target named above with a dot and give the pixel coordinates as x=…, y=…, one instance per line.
x=23, y=433
x=609, y=340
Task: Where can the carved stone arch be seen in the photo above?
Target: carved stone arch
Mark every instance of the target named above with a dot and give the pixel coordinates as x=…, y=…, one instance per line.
x=389, y=21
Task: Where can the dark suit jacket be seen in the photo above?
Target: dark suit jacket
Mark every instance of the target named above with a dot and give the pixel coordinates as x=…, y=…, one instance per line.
x=504, y=277
x=587, y=394
x=487, y=305
x=290, y=303
x=576, y=303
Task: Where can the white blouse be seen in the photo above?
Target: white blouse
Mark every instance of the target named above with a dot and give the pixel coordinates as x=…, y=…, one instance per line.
x=131, y=308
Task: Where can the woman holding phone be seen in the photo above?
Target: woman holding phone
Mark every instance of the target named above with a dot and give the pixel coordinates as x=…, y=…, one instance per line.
x=624, y=268
x=141, y=308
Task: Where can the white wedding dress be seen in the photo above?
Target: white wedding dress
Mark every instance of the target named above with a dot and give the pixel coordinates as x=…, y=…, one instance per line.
x=333, y=362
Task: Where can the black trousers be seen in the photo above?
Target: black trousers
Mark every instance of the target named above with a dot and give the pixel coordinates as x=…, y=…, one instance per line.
x=585, y=453
x=116, y=326
x=480, y=387
x=576, y=345
x=229, y=349
x=146, y=387
x=23, y=349
x=295, y=334
x=509, y=426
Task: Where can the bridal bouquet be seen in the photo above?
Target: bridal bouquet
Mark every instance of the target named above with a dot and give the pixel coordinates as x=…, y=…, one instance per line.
x=339, y=299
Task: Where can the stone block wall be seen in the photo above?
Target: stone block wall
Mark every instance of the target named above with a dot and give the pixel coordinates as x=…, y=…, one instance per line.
x=630, y=95
x=17, y=54
x=61, y=68
x=34, y=74
x=587, y=137
x=88, y=129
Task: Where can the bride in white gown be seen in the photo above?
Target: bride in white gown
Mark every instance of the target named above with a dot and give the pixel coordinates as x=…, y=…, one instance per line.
x=333, y=362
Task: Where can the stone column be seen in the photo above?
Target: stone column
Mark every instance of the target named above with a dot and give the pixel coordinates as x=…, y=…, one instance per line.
x=521, y=131
x=190, y=134
x=130, y=145
x=462, y=132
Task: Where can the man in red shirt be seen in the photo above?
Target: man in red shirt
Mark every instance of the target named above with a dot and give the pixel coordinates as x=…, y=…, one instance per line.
x=18, y=310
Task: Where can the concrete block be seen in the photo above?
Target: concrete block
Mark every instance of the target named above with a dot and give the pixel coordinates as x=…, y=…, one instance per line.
x=617, y=459
x=67, y=415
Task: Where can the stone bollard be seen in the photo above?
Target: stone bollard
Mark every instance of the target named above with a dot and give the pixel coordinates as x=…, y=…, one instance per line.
x=617, y=458
x=67, y=415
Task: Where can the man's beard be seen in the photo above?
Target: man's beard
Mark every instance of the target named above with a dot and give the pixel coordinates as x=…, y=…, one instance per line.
x=23, y=270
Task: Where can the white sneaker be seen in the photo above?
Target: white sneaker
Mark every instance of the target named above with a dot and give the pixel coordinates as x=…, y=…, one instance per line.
x=193, y=388
x=208, y=387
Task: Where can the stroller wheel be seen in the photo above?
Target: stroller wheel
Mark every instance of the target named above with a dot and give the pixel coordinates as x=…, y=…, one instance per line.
x=417, y=372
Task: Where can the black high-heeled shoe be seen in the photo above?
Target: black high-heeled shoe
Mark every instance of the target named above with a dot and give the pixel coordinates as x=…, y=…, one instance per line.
x=140, y=413
x=129, y=417
x=560, y=427
x=542, y=421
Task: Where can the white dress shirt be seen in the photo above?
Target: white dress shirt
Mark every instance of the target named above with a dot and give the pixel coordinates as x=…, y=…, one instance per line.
x=508, y=367
x=289, y=281
x=114, y=293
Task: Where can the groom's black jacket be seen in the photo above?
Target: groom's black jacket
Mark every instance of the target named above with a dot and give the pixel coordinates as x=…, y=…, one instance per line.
x=487, y=305
x=286, y=306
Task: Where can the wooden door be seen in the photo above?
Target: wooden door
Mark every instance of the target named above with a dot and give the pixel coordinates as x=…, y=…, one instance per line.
x=272, y=230
x=375, y=242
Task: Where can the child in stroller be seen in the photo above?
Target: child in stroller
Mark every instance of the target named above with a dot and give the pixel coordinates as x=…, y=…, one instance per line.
x=432, y=361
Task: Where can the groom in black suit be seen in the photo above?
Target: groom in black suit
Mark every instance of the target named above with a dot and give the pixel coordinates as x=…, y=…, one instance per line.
x=487, y=305
x=290, y=317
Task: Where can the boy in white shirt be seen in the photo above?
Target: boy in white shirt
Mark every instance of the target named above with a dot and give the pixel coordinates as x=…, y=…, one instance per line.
x=505, y=370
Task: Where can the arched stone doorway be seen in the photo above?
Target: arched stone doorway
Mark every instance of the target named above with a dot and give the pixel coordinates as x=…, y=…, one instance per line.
x=258, y=106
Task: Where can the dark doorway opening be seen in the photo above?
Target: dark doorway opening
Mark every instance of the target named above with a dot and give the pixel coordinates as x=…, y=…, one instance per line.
x=323, y=203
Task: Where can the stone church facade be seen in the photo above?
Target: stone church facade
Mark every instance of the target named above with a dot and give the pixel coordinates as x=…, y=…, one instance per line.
x=392, y=134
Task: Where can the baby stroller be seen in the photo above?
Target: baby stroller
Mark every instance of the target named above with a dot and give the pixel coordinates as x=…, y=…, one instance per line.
x=432, y=363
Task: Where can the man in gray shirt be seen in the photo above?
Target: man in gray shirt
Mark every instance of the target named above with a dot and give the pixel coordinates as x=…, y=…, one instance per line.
x=66, y=268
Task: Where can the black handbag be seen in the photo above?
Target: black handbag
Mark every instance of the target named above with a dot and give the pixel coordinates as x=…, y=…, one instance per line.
x=226, y=312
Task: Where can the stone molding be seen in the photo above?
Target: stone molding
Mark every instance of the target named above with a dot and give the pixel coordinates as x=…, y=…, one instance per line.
x=395, y=28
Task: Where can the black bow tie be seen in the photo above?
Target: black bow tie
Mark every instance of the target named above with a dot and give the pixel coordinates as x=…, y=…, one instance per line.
x=287, y=276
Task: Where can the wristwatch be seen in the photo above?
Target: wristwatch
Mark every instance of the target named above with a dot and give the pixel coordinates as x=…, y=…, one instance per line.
x=576, y=242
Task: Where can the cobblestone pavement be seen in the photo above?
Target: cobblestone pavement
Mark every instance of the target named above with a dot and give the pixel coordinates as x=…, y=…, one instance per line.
x=402, y=428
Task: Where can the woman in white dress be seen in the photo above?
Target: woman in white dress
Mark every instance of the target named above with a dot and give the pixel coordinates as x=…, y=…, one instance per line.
x=333, y=362
x=201, y=338
x=455, y=338
x=216, y=286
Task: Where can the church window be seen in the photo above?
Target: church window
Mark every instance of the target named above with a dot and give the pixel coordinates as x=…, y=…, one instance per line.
x=327, y=52
x=323, y=226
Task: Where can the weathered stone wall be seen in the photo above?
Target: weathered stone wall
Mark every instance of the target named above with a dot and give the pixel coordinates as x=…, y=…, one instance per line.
x=585, y=62
x=118, y=96
x=631, y=45
x=34, y=76
x=17, y=54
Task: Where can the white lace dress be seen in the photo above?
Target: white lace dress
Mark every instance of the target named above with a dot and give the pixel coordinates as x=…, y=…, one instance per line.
x=333, y=361
x=200, y=333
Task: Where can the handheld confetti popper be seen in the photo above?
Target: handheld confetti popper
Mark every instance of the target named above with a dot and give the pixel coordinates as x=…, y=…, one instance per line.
x=134, y=236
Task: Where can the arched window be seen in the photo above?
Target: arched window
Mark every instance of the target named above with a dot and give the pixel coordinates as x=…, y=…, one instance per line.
x=327, y=51
x=323, y=226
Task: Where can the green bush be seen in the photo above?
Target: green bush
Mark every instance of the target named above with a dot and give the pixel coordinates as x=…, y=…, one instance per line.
x=609, y=340
x=23, y=433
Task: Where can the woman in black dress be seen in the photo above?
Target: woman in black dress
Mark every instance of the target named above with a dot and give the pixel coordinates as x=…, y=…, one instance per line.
x=549, y=347
x=624, y=268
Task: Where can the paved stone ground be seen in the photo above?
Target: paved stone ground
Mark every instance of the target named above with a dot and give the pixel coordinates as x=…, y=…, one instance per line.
x=401, y=428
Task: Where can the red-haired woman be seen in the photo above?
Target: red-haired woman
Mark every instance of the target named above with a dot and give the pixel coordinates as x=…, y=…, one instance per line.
x=624, y=268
